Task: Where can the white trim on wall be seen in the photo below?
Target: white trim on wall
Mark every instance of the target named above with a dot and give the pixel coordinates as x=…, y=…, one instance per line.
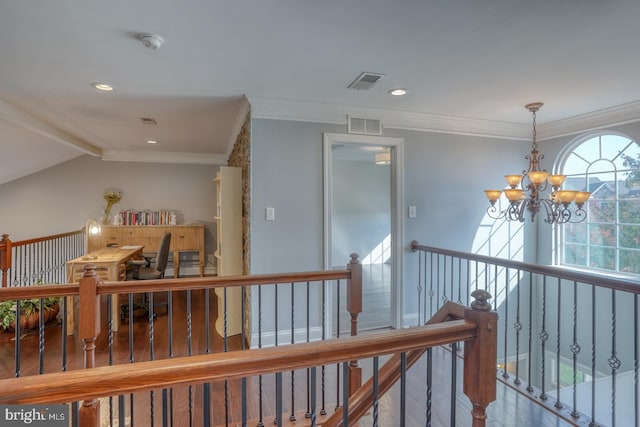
x=397, y=210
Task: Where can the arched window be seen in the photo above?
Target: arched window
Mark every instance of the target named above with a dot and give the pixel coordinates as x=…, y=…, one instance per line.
x=609, y=166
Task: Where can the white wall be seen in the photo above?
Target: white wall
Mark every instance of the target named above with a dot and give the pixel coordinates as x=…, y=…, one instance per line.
x=361, y=217
x=62, y=198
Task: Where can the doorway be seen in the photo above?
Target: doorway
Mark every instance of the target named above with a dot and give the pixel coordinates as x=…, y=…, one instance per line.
x=363, y=215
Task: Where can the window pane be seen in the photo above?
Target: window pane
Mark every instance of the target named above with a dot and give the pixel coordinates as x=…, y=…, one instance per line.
x=604, y=258
x=575, y=233
x=602, y=234
x=575, y=255
x=630, y=236
x=630, y=261
x=602, y=211
x=629, y=211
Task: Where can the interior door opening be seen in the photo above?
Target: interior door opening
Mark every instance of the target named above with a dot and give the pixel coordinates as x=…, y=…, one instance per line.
x=361, y=198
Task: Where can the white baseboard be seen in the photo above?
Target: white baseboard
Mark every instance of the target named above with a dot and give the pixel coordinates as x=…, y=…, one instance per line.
x=409, y=320
x=284, y=337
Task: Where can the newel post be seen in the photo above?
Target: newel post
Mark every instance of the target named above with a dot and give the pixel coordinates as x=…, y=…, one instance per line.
x=89, y=328
x=5, y=257
x=354, y=306
x=480, y=357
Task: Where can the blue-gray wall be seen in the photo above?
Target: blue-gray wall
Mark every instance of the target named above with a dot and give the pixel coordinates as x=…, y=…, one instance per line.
x=444, y=176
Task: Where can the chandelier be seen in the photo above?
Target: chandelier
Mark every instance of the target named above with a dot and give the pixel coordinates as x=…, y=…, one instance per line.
x=528, y=192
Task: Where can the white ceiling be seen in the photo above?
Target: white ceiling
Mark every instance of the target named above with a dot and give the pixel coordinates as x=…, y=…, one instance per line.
x=469, y=66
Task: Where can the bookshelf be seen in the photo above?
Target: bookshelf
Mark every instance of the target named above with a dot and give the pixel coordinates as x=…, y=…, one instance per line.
x=228, y=254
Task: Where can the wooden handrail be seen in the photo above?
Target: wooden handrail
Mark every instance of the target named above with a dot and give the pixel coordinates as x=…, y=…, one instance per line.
x=121, y=379
x=600, y=280
x=106, y=288
x=46, y=238
x=362, y=399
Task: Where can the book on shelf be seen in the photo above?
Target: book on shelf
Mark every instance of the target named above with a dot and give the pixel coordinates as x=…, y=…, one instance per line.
x=145, y=217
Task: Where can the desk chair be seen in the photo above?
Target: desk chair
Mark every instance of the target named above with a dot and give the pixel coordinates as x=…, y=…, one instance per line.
x=143, y=270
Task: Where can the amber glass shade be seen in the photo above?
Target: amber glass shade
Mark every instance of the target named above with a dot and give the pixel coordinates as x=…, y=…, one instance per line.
x=514, y=194
x=556, y=180
x=538, y=177
x=493, y=195
x=566, y=196
x=513, y=180
x=582, y=197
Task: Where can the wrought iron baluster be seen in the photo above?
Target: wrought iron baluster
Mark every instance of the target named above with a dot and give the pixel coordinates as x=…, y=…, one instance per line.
x=41, y=336
x=243, y=381
x=345, y=394
x=505, y=372
x=454, y=383
x=375, y=391
x=518, y=327
x=278, y=420
x=431, y=292
x=167, y=395
x=544, y=336
x=575, y=349
x=636, y=410
x=260, y=407
x=323, y=409
x=530, y=343
x=151, y=356
x=593, y=356
x=429, y=385
x=312, y=412
x=292, y=416
x=308, y=303
x=419, y=289
x=190, y=349
x=403, y=388
x=558, y=404
x=614, y=362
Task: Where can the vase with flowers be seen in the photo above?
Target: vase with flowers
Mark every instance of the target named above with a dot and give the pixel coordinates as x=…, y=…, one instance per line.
x=111, y=197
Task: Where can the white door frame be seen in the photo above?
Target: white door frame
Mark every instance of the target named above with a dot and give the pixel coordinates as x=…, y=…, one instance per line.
x=397, y=210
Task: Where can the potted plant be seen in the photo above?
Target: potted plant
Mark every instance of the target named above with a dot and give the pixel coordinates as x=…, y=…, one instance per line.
x=29, y=312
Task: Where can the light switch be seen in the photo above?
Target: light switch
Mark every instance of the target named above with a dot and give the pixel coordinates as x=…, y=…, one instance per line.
x=271, y=214
x=412, y=211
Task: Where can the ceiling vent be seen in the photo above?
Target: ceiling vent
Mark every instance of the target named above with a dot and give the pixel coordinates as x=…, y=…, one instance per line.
x=364, y=126
x=365, y=81
x=148, y=121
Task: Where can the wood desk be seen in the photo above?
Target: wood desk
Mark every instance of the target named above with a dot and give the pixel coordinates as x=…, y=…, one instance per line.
x=111, y=265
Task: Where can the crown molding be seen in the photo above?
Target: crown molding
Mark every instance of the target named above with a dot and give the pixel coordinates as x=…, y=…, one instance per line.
x=607, y=117
x=164, y=157
x=36, y=125
x=279, y=109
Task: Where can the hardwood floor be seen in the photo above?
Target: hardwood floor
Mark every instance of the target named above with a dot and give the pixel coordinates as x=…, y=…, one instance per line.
x=510, y=409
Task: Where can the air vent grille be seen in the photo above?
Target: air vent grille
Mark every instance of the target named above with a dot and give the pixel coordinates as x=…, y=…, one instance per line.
x=364, y=126
x=148, y=121
x=366, y=81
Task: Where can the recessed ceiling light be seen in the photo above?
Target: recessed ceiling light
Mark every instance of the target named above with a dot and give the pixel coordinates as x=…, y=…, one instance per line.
x=151, y=141
x=102, y=86
x=398, y=91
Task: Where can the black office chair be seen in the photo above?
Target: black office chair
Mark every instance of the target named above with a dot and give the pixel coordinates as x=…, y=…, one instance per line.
x=147, y=269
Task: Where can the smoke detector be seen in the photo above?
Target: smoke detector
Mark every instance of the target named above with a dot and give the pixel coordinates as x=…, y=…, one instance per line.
x=151, y=40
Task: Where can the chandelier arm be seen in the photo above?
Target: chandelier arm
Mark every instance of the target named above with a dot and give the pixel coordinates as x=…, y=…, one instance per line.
x=578, y=216
x=494, y=213
x=551, y=210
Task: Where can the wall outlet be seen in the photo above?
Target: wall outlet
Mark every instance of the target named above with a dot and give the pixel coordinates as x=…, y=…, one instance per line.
x=412, y=212
x=270, y=214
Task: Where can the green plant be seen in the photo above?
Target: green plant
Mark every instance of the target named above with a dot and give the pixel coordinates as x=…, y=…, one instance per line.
x=27, y=307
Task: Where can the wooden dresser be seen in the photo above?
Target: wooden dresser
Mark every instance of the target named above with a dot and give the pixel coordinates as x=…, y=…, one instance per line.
x=184, y=238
